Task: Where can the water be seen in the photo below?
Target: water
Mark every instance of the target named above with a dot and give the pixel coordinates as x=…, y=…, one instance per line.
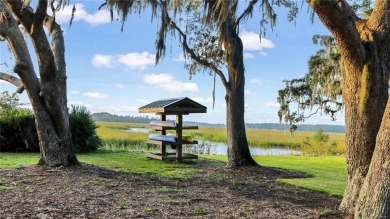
x=219, y=148
x=142, y=130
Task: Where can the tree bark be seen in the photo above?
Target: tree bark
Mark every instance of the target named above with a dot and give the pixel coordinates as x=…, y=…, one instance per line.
x=237, y=143
x=374, y=199
x=48, y=98
x=365, y=91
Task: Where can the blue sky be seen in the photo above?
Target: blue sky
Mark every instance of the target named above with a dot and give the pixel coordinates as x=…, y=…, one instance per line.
x=113, y=71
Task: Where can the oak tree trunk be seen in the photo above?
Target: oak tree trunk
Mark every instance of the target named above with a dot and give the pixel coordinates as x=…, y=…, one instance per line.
x=374, y=199
x=48, y=97
x=364, y=97
x=237, y=143
x=365, y=50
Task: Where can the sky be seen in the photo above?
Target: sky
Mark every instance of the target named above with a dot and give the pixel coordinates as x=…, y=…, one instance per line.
x=113, y=71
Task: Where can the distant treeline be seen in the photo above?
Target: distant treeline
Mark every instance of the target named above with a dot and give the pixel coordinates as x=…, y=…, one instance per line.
x=107, y=117
x=301, y=127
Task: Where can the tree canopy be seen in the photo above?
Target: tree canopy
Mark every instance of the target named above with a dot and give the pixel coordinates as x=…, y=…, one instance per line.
x=320, y=90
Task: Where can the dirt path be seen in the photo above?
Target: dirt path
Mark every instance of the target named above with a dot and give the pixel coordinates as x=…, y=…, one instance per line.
x=91, y=192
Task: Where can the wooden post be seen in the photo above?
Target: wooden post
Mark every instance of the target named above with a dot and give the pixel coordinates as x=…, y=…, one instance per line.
x=179, y=135
x=163, y=132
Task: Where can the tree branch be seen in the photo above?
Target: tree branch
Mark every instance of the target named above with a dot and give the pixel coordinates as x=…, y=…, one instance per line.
x=247, y=12
x=312, y=114
x=24, y=14
x=37, y=35
x=380, y=18
x=58, y=48
x=340, y=19
x=193, y=55
x=13, y=80
x=40, y=13
x=10, y=31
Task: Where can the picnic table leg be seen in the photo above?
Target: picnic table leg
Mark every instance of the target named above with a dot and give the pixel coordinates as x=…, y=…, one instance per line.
x=179, y=135
x=163, y=132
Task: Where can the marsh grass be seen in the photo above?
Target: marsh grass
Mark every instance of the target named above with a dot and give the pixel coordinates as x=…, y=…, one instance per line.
x=263, y=138
x=116, y=136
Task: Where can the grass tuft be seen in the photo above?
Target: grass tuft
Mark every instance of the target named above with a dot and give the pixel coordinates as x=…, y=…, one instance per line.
x=199, y=211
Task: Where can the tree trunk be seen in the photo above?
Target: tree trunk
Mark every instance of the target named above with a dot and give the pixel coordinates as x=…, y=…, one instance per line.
x=374, y=199
x=237, y=143
x=364, y=51
x=48, y=98
x=364, y=105
x=366, y=94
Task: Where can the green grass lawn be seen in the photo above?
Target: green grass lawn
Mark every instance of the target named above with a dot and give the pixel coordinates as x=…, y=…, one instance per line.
x=328, y=172
x=136, y=162
x=131, y=162
x=14, y=159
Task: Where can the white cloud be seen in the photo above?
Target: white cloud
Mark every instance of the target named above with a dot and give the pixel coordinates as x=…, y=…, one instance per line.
x=121, y=86
x=100, y=61
x=252, y=42
x=112, y=108
x=156, y=79
x=202, y=100
x=95, y=95
x=248, y=55
x=100, y=17
x=247, y=107
x=262, y=53
x=75, y=92
x=142, y=101
x=137, y=60
x=133, y=60
x=248, y=92
x=272, y=105
x=166, y=82
x=180, y=58
x=115, y=108
x=79, y=103
x=255, y=81
x=178, y=86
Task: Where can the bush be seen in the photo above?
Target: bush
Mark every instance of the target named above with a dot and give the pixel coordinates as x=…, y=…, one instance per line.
x=83, y=129
x=17, y=131
x=320, y=145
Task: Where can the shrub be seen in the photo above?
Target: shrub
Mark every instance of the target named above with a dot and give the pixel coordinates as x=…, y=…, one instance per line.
x=17, y=131
x=318, y=145
x=83, y=129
